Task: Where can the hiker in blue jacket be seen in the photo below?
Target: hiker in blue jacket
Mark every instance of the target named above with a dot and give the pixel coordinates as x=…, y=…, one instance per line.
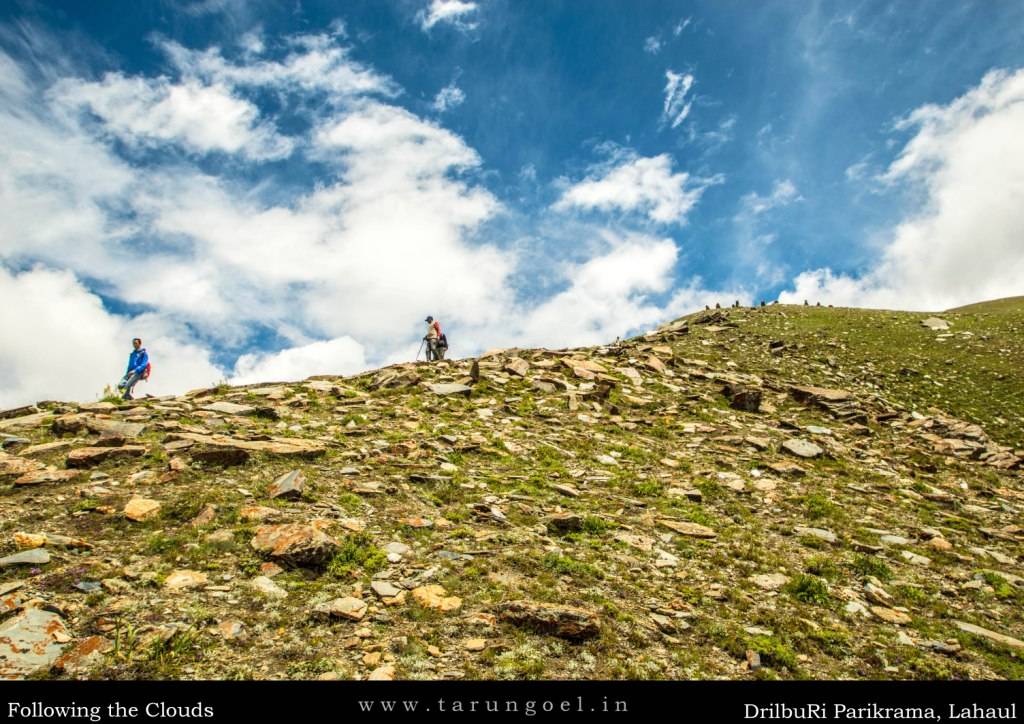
x=138, y=369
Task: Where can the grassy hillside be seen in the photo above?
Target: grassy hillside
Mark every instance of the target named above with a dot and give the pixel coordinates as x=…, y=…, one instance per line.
x=690, y=504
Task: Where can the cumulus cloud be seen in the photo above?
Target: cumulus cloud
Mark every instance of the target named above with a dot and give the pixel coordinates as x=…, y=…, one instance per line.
x=637, y=184
x=615, y=292
x=447, y=11
x=652, y=45
x=147, y=111
x=448, y=97
x=677, y=103
x=339, y=356
x=61, y=343
x=962, y=244
x=345, y=269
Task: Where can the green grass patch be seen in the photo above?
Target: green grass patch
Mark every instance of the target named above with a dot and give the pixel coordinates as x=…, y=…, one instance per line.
x=357, y=553
x=809, y=589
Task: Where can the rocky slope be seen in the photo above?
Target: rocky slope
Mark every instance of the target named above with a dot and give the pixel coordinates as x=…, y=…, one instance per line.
x=778, y=492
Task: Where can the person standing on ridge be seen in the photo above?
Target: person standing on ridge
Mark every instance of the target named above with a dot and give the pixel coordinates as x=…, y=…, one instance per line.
x=434, y=339
x=138, y=369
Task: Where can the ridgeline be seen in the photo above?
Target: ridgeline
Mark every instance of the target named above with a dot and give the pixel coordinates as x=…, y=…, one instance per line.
x=783, y=492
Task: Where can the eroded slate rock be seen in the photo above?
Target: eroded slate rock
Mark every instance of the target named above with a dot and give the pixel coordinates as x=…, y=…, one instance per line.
x=567, y=622
x=291, y=485
x=346, y=607
x=34, y=557
x=31, y=641
x=450, y=388
x=294, y=543
x=802, y=448
x=87, y=457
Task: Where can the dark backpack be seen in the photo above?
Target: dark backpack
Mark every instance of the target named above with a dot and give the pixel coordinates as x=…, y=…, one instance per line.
x=442, y=341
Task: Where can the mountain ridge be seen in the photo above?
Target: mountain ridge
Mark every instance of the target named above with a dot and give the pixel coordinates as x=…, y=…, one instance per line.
x=776, y=492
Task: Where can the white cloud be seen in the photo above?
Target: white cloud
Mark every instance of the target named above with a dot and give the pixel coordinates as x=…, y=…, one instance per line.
x=341, y=356
x=62, y=343
x=448, y=97
x=315, y=63
x=356, y=261
x=613, y=293
x=652, y=45
x=447, y=11
x=963, y=244
x=202, y=118
x=783, y=193
x=637, y=184
x=681, y=26
x=677, y=106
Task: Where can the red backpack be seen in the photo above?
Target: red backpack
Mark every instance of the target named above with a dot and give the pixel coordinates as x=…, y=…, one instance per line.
x=145, y=372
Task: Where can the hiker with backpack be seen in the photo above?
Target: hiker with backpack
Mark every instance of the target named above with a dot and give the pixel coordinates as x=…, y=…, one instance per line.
x=138, y=369
x=437, y=343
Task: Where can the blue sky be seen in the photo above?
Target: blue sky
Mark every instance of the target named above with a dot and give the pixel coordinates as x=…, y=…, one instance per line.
x=267, y=190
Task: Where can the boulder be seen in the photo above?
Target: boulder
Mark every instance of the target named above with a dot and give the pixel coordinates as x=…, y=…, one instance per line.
x=291, y=485
x=139, y=509
x=295, y=544
x=562, y=523
x=745, y=399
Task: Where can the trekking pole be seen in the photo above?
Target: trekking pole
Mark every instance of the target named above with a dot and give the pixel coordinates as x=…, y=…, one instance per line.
x=419, y=350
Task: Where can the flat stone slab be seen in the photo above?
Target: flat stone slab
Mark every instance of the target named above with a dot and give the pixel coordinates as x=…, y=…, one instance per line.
x=87, y=457
x=16, y=466
x=34, y=557
x=53, y=540
x=185, y=579
x=450, y=388
x=39, y=477
x=820, y=533
x=229, y=408
x=267, y=587
x=802, y=448
x=435, y=597
x=347, y=607
x=770, y=581
x=26, y=422
x=282, y=446
x=890, y=615
x=990, y=635
x=102, y=426
x=31, y=641
x=809, y=393
x=385, y=589
x=46, y=448
x=684, y=527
